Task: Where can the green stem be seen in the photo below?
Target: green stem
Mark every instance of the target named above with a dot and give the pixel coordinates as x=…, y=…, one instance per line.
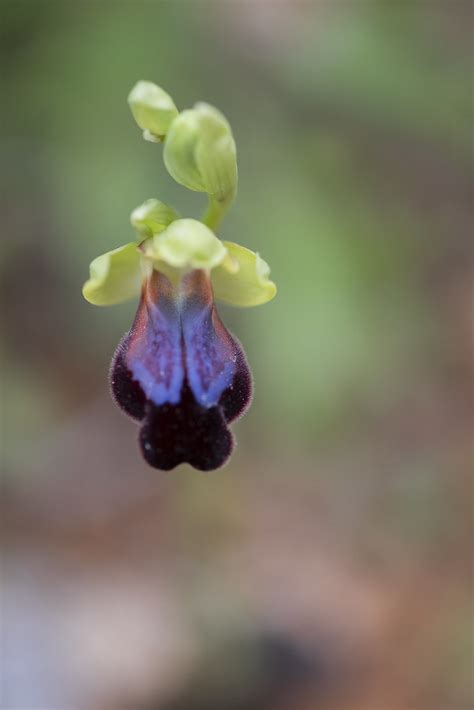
x=216, y=211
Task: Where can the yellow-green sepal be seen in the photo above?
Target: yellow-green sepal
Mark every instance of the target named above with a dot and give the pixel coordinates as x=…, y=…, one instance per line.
x=115, y=276
x=152, y=217
x=152, y=108
x=242, y=279
x=186, y=244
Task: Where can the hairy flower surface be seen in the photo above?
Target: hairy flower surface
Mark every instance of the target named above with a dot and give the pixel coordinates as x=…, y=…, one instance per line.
x=179, y=371
x=182, y=374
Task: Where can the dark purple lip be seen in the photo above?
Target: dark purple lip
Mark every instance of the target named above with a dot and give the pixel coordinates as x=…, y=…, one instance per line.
x=181, y=374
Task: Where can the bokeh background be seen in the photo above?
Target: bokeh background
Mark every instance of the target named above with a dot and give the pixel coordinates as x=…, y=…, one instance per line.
x=328, y=565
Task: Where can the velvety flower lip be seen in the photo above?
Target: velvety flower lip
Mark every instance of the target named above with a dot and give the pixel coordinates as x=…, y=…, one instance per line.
x=181, y=374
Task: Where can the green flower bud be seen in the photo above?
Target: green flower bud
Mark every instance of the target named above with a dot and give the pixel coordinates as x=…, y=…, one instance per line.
x=152, y=217
x=152, y=108
x=200, y=152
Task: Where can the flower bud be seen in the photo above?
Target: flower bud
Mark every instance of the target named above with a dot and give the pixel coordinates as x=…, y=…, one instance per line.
x=200, y=152
x=152, y=108
x=152, y=217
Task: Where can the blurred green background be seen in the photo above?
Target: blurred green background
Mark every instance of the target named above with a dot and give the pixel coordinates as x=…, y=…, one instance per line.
x=328, y=565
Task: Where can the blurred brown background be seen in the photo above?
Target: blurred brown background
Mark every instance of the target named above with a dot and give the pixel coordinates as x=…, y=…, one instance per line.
x=328, y=565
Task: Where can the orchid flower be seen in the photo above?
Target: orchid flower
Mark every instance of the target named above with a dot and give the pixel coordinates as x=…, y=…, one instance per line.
x=178, y=371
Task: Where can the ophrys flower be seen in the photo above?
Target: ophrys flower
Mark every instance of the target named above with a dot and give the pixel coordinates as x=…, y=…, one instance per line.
x=179, y=371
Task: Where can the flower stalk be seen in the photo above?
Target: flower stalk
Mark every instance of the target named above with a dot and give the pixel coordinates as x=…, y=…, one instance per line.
x=217, y=210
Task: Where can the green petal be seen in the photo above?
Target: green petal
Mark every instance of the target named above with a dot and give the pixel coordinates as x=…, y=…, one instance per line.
x=152, y=217
x=179, y=151
x=215, y=153
x=152, y=108
x=247, y=286
x=186, y=243
x=115, y=276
